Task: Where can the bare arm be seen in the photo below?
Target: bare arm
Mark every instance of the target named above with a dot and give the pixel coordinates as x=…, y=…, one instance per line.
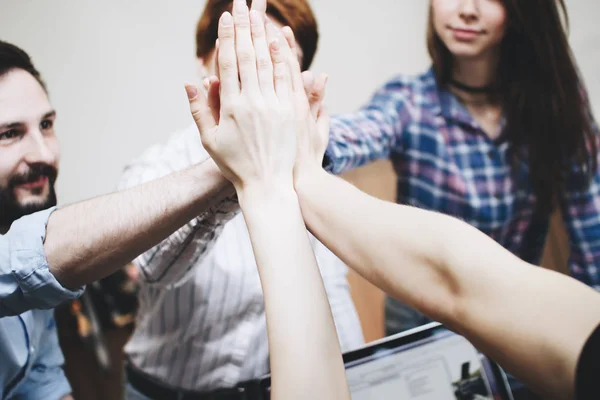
x=305, y=354
x=255, y=145
x=532, y=321
x=175, y=257
x=91, y=239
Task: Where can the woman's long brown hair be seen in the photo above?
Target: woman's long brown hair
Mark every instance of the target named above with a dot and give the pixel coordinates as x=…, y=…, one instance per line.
x=547, y=113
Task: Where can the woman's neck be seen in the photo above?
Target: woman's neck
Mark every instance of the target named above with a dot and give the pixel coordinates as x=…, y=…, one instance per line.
x=477, y=73
x=475, y=80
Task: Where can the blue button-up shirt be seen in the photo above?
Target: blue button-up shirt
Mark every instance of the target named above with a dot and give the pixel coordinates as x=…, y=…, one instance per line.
x=30, y=357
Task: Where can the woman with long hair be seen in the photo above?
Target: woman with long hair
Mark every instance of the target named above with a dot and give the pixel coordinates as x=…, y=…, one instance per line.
x=498, y=133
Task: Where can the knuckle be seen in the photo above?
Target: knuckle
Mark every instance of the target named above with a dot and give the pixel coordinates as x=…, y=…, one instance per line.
x=279, y=72
x=263, y=63
x=258, y=31
x=259, y=107
x=239, y=108
x=229, y=108
x=314, y=96
x=226, y=33
x=196, y=113
x=245, y=57
x=227, y=64
x=241, y=21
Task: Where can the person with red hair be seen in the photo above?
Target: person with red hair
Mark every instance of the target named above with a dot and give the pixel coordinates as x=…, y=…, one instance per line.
x=200, y=327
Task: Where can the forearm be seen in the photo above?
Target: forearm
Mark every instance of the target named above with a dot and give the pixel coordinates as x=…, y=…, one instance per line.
x=457, y=275
x=305, y=352
x=91, y=239
x=365, y=233
x=172, y=259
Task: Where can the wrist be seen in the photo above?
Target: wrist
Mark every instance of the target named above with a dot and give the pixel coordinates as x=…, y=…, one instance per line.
x=208, y=172
x=263, y=194
x=307, y=177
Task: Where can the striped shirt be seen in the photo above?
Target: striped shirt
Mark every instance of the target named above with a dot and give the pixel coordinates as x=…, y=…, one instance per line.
x=201, y=322
x=446, y=162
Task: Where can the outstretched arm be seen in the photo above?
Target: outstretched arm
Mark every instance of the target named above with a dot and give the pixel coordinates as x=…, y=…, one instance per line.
x=91, y=239
x=255, y=146
x=534, y=322
x=46, y=253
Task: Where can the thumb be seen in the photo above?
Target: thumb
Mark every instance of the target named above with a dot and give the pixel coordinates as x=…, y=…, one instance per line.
x=323, y=126
x=214, y=98
x=200, y=111
x=317, y=95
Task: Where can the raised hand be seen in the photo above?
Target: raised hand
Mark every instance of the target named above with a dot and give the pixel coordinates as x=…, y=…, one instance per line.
x=311, y=119
x=255, y=141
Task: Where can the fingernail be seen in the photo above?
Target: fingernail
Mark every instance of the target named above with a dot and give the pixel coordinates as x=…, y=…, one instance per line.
x=191, y=91
x=226, y=19
x=255, y=17
x=239, y=5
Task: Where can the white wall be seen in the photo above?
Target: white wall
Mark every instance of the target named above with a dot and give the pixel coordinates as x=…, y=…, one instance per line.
x=116, y=68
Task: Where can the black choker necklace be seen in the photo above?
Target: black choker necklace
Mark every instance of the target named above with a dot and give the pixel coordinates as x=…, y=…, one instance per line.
x=472, y=89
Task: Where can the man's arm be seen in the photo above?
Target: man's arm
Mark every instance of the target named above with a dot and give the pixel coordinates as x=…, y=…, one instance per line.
x=91, y=239
x=46, y=253
x=532, y=321
x=170, y=260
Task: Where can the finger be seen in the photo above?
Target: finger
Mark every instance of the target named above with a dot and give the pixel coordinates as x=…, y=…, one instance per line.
x=246, y=57
x=214, y=98
x=281, y=71
x=288, y=33
x=217, y=59
x=259, y=6
x=264, y=64
x=317, y=94
x=200, y=112
x=309, y=80
x=323, y=126
x=294, y=65
x=227, y=60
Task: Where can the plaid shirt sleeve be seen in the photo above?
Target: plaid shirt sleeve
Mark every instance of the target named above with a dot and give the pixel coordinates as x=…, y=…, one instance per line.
x=581, y=211
x=369, y=134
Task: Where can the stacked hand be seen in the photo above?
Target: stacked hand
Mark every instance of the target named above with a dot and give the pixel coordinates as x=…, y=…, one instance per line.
x=265, y=134
x=271, y=123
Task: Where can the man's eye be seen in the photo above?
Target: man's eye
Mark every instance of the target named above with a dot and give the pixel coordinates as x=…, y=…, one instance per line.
x=47, y=124
x=13, y=133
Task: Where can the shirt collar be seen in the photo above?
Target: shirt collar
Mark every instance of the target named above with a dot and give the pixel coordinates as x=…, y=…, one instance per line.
x=450, y=108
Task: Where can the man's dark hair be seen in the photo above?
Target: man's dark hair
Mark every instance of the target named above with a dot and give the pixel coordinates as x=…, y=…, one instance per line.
x=12, y=57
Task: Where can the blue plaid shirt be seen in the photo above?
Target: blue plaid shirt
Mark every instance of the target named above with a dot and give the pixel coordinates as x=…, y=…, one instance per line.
x=447, y=163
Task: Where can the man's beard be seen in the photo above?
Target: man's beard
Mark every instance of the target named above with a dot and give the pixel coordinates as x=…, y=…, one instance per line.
x=10, y=208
